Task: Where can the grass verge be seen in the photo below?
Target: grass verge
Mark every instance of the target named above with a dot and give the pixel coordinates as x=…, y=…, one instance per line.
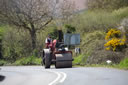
x=28, y=61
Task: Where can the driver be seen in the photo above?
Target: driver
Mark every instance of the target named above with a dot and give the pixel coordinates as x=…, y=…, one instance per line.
x=48, y=41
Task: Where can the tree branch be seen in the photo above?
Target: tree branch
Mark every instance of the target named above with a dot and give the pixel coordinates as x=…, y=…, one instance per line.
x=44, y=25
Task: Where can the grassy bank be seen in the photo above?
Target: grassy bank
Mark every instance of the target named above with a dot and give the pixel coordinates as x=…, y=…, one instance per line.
x=122, y=65
x=22, y=61
x=92, y=26
x=90, y=21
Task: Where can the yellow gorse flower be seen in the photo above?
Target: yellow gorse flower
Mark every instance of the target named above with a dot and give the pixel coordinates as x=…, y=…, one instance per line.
x=113, y=40
x=112, y=33
x=108, y=48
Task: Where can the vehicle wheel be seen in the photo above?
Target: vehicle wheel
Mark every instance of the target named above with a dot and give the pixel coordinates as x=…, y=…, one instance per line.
x=63, y=60
x=64, y=64
x=47, y=61
x=43, y=62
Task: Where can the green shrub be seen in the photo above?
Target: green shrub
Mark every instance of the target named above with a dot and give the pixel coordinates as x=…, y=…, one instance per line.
x=92, y=41
x=54, y=33
x=124, y=63
x=2, y=31
x=70, y=29
x=80, y=59
x=28, y=61
x=16, y=44
x=3, y=62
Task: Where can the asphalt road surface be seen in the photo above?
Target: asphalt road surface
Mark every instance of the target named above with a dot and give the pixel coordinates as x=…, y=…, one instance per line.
x=37, y=75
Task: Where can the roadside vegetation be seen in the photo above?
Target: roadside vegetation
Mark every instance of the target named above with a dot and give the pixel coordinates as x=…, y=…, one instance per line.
x=103, y=29
x=104, y=35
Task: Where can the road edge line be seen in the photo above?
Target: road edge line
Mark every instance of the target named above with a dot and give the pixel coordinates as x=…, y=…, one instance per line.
x=58, y=77
x=63, y=79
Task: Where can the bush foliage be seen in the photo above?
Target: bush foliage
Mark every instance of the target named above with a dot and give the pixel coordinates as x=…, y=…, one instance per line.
x=31, y=60
x=115, y=42
x=124, y=63
x=70, y=29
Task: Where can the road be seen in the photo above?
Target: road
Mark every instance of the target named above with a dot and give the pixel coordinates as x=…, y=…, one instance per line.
x=37, y=75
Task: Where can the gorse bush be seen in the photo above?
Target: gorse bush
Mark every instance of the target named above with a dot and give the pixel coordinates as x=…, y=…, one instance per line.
x=115, y=44
x=114, y=40
x=113, y=33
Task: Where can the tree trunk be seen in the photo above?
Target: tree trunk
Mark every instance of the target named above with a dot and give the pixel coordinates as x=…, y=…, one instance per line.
x=33, y=39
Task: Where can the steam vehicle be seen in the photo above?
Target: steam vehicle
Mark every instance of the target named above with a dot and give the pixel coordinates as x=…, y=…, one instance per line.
x=57, y=54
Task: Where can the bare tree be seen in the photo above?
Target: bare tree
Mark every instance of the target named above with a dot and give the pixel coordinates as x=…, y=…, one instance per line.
x=64, y=11
x=67, y=9
x=30, y=15
x=34, y=15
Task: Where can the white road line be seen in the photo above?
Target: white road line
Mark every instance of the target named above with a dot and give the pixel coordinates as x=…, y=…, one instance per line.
x=60, y=78
x=57, y=79
x=64, y=74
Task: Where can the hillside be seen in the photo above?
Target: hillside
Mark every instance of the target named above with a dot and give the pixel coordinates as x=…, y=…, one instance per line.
x=93, y=26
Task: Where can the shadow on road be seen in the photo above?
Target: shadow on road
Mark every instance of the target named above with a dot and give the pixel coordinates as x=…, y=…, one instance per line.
x=2, y=78
x=63, y=68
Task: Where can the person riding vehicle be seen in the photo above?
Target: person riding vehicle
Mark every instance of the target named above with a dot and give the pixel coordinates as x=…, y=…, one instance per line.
x=48, y=41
